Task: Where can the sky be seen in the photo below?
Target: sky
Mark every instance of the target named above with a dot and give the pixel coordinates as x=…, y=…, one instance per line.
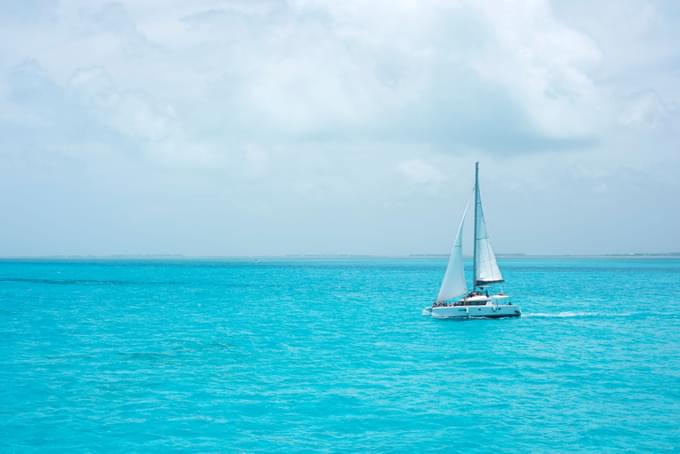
x=270, y=127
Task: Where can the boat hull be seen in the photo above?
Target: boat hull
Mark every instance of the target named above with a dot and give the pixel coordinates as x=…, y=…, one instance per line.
x=472, y=312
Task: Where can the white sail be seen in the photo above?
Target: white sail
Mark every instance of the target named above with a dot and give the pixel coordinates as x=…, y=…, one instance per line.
x=486, y=268
x=454, y=284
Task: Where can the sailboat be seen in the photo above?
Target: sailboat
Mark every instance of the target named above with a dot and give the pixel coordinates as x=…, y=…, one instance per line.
x=454, y=300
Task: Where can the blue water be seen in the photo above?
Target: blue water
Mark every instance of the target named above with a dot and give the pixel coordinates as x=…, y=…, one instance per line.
x=334, y=355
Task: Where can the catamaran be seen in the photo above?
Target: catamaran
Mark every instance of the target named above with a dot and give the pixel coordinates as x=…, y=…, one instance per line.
x=454, y=300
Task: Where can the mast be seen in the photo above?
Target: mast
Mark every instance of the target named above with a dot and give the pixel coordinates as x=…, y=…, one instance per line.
x=474, y=254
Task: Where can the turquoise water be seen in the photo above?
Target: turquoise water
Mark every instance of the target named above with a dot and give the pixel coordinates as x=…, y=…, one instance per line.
x=334, y=355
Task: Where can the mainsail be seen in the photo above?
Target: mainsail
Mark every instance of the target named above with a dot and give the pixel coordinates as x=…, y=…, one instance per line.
x=454, y=284
x=485, y=267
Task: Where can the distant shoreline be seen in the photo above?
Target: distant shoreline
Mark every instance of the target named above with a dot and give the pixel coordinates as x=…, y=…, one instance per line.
x=181, y=257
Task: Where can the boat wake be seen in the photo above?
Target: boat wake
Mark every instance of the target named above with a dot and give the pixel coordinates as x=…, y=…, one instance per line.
x=576, y=314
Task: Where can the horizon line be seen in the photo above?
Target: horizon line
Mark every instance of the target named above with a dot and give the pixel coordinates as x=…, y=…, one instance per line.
x=315, y=255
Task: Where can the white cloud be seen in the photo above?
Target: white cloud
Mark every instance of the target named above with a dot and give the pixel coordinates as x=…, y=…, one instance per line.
x=421, y=173
x=544, y=65
x=645, y=109
x=274, y=104
x=134, y=114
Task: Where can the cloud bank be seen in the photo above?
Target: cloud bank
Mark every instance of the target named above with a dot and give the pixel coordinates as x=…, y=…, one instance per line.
x=271, y=127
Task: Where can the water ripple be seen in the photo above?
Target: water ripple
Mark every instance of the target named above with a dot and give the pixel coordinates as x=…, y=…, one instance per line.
x=313, y=355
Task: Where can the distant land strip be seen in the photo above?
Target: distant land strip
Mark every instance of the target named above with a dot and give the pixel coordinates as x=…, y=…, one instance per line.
x=322, y=256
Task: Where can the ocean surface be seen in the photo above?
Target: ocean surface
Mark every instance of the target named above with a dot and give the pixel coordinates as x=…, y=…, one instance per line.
x=334, y=355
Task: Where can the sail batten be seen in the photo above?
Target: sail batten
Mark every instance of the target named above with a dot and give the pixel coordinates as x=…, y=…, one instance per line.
x=453, y=284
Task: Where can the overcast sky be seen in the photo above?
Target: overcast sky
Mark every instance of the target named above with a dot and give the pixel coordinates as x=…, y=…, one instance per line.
x=245, y=127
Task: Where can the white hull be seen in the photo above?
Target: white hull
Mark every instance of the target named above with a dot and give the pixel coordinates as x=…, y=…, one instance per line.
x=489, y=310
